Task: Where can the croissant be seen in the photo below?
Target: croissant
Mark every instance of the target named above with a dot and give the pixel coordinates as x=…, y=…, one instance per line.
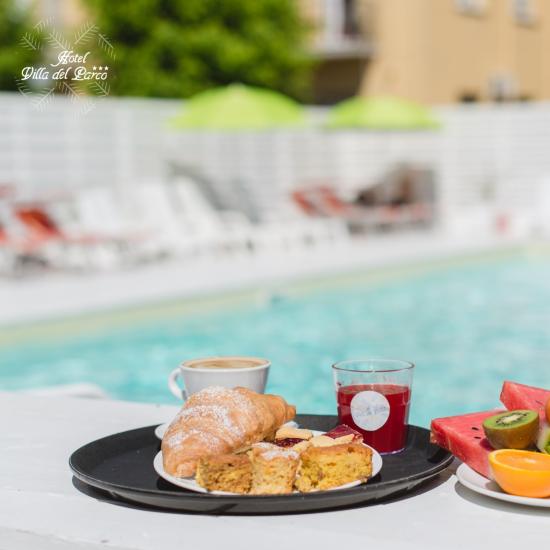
x=220, y=420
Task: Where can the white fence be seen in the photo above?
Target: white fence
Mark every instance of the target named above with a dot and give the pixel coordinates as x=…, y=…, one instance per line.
x=492, y=155
x=55, y=147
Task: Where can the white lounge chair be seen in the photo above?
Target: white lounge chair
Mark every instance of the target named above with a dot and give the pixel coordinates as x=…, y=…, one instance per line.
x=217, y=230
x=121, y=235
x=159, y=208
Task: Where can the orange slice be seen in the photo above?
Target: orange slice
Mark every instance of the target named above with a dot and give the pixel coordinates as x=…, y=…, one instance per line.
x=521, y=473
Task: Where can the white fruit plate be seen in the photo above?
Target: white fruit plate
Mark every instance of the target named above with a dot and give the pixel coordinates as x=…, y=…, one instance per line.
x=480, y=484
x=190, y=483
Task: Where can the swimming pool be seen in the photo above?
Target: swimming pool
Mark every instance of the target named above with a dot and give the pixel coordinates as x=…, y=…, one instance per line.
x=467, y=325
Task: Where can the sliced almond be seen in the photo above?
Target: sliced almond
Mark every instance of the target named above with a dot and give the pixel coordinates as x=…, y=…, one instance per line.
x=322, y=441
x=344, y=439
x=302, y=446
x=285, y=432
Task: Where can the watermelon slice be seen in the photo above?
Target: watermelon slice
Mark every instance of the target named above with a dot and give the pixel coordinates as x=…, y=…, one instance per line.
x=516, y=396
x=463, y=436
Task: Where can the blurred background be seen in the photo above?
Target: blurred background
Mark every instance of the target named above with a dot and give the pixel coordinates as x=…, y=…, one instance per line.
x=305, y=180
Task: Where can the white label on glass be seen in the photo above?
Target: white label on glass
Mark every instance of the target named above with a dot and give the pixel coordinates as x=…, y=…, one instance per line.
x=370, y=410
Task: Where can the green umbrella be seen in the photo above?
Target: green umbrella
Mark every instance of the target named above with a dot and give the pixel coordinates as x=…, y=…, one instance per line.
x=381, y=113
x=239, y=107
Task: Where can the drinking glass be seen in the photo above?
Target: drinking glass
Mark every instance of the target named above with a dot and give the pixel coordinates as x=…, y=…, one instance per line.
x=373, y=398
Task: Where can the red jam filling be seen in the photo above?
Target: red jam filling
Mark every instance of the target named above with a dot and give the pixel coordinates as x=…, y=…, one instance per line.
x=287, y=442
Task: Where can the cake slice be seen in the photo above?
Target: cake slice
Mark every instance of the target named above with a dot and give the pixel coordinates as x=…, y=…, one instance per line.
x=273, y=470
x=327, y=467
x=230, y=473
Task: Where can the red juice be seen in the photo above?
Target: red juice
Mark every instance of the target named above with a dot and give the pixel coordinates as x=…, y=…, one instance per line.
x=380, y=412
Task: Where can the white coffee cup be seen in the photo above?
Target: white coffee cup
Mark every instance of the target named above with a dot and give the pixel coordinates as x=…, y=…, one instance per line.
x=229, y=372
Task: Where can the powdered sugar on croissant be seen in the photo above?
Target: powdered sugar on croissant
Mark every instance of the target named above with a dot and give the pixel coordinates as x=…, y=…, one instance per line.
x=220, y=420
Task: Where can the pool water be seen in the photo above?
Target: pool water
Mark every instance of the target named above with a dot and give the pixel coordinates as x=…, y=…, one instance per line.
x=467, y=327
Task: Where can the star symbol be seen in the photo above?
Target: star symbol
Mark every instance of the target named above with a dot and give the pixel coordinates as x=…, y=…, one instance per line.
x=100, y=67
x=106, y=68
x=95, y=67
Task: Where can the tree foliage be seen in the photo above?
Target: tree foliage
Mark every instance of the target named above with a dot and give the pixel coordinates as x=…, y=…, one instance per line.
x=176, y=48
x=14, y=54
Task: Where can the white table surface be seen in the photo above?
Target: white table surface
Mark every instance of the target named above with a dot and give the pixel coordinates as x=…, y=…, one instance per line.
x=41, y=509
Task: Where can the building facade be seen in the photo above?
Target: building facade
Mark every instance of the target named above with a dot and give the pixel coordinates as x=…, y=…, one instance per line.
x=432, y=51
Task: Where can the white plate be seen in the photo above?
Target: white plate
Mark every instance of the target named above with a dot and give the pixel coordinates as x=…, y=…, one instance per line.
x=190, y=483
x=480, y=484
x=161, y=430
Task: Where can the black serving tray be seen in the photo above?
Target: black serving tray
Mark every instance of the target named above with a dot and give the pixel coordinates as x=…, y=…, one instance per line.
x=122, y=465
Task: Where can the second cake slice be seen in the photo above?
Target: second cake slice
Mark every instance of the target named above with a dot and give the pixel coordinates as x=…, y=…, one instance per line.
x=273, y=470
x=328, y=467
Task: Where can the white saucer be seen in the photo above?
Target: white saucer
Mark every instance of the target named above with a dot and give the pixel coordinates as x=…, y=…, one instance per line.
x=190, y=483
x=480, y=484
x=160, y=430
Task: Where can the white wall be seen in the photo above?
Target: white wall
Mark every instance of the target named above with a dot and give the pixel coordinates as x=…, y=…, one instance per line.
x=118, y=141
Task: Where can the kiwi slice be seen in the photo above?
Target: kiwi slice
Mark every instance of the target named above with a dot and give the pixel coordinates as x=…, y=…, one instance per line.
x=512, y=429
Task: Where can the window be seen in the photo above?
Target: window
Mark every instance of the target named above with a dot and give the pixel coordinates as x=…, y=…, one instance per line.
x=502, y=87
x=341, y=20
x=523, y=12
x=471, y=7
x=351, y=19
